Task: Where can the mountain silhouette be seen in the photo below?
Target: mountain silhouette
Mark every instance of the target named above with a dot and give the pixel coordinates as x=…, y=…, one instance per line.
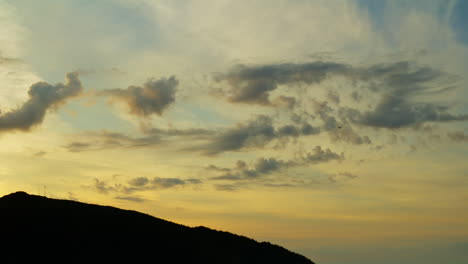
x=37, y=229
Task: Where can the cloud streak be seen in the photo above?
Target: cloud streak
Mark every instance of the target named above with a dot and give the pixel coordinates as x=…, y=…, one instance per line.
x=156, y=183
x=153, y=136
x=142, y=184
x=267, y=166
x=256, y=133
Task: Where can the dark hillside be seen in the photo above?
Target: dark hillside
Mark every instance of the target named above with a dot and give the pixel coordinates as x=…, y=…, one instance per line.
x=36, y=229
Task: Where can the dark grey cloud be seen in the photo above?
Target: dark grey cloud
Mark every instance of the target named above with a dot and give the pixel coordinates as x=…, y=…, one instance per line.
x=253, y=84
x=399, y=83
x=338, y=130
x=163, y=183
x=266, y=166
x=289, y=130
x=255, y=133
x=347, y=134
x=318, y=155
x=103, y=187
x=154, y=97
x=458, y=136
x=394, y=111
x=262, y=166
x=140, y=181
x=42, y=97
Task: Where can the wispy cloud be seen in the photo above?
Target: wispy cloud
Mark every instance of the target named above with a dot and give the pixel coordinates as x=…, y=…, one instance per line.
x=130, y=198
x=142, y=184
x=100, y=140
x=255, y=133
x=266, y=166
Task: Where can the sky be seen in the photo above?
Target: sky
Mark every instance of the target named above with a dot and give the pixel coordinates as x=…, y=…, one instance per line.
x=337, y=129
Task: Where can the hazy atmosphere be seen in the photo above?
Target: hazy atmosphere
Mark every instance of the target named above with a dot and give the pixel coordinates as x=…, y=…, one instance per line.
x=337, y=129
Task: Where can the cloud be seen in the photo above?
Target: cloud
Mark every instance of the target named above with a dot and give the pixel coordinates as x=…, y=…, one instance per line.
x=142, y=184
x=266, y=166
x=253, y=84
x=256, y=133
x=338, y=131
x=356, y=96
x=103, y=187
x=400, y=84
x=341, y=175
x=101, y=140
x=174, y=132
x=109, y=140
x=42, y=97
x=333, y=97
x=262, y=166
x=394, y=111
x=163, y=183
x=154, y=97
x=226, y=187
x=8, y=60
x=130, y=198
x=78, y=146
x=157, y=183
x=285, y=101
x=104, y=71
x=40, y=154
x=193, y=181
x=140, y=181
x=347, y=134
x=458, y=136
x=321, y=155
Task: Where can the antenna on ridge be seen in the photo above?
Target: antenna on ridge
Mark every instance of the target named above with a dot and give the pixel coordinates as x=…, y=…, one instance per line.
x=45, y=193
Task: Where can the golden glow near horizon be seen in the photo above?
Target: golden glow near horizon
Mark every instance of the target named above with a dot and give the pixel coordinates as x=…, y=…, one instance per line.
x=336, y=129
